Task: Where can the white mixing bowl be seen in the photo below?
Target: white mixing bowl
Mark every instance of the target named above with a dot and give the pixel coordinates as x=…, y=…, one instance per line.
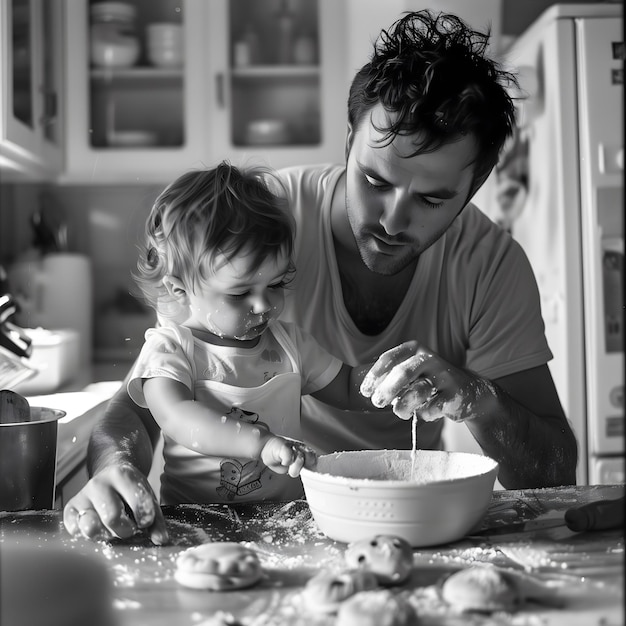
x=356, y=495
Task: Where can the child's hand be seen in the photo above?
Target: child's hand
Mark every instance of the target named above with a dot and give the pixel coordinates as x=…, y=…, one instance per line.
x=283, y=455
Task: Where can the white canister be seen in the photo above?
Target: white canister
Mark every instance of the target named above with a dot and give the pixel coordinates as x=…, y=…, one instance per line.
x=55, y=292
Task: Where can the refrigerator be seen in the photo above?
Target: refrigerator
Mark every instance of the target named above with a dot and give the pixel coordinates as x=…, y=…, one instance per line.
x=559, y=191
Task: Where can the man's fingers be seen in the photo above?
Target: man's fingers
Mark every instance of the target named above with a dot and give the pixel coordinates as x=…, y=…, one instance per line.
x=137, y=493
x=70, y=516
x=396, y=381
x=91, y=526
x=110, y=514
x=415, y=399
x=384, y=364
x=158, y=532
x=82, y=519
x=115, y=503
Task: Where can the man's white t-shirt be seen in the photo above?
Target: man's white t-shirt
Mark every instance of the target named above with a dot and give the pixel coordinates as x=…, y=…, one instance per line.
x=473, y=300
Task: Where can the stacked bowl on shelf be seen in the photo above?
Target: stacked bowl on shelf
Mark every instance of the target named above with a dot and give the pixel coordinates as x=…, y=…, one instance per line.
x=114, y=42
x=165, y=44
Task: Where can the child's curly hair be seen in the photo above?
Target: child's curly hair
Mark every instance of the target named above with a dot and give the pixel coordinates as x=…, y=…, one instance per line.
x=431, y=71
x=202, y=214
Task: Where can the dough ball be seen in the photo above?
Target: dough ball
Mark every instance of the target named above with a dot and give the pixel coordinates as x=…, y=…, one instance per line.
x=482, y=589
x=376, y=608
x=388, y=557
x=327, y=590
x=218, y=567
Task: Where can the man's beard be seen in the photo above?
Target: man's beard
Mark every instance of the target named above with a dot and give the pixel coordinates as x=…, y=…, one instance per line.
x=376, y=262
x=385, y=265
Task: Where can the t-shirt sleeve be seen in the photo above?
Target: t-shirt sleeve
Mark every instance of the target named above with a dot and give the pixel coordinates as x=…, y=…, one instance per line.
x=318, y=367
x=162, y=355
x=507, y=332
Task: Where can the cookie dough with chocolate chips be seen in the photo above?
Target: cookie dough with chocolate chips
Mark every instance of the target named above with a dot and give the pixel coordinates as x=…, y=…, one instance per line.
x=218, y=566
x=388, y=557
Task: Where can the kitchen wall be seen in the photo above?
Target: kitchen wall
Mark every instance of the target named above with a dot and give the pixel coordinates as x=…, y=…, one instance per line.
x=104, y=221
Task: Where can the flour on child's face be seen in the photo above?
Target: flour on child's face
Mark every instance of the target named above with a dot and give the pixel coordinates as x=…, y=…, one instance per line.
x=237, y=301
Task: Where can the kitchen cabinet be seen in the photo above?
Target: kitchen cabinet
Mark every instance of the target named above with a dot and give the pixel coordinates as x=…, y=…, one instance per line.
x=282, y=90
x=31, y=126
x=259, y=81
x=136, y=121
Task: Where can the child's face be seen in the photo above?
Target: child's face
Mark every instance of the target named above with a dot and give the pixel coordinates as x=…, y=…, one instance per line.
x=236, y=301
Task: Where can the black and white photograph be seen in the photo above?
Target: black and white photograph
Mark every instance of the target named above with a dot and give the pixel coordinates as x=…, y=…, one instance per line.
x=312, y=313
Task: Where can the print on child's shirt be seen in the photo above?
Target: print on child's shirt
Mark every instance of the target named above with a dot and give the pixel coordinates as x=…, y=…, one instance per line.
x=236, y=478
x=273, y=357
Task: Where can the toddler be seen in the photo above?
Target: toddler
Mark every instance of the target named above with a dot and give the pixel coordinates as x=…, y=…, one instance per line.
x=221, y=374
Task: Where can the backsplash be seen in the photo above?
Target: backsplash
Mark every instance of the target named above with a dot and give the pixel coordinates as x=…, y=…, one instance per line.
x=104, y=223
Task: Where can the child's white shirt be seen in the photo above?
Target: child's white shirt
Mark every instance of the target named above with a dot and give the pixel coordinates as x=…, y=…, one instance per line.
x=263, y=384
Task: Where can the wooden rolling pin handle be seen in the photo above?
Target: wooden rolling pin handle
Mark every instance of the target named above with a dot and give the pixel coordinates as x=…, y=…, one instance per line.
x=602, y=515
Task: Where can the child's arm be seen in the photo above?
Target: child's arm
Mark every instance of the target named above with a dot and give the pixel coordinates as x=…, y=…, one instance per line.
x=206, y=431
x=343, y=391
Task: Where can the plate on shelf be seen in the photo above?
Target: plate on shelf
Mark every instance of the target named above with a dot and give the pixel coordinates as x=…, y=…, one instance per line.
x=267, y=132
x=131, y=138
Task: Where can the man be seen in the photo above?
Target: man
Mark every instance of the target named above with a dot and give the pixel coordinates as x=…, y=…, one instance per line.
x=391, y=256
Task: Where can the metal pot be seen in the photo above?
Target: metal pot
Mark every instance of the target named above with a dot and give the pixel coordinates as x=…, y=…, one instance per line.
x=28, y=454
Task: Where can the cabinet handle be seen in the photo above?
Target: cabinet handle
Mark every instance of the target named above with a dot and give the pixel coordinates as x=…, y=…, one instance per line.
x=219, y=89
x=50, y=108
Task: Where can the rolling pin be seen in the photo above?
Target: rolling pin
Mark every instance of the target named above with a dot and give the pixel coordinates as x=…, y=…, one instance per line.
x=601, y=515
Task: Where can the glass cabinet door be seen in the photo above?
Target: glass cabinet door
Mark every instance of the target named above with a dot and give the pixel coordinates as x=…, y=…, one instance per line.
x=136, y=74
x=255, y=77
x=274, y=70
x=135, y=89
x=22, y=20
x=32, y=45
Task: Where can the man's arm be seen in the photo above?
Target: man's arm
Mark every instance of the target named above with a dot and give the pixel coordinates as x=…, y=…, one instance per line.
x=126, y=433
x=118, y=501
x=526, y=431
x=517, y=420
x=343, y=391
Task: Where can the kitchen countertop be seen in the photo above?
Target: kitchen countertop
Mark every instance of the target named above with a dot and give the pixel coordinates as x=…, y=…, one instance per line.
x=585, y=570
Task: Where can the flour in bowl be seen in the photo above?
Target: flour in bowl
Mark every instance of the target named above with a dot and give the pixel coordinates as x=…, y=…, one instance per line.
x=417, y=467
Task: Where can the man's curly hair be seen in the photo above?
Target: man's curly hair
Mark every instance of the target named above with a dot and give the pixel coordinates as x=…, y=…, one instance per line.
x=431, y=72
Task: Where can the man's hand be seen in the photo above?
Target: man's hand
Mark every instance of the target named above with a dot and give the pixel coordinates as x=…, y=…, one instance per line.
x=117, y=502
x=413, y=379
x=283, y=455
x=516, y=419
